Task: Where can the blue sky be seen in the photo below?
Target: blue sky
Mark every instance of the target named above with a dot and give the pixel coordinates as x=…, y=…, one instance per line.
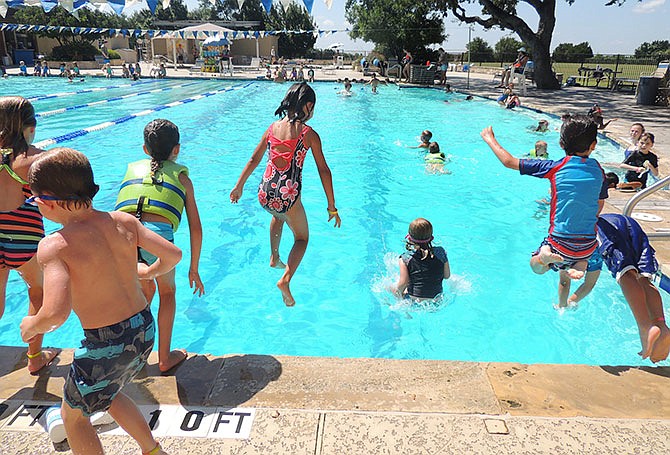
x=609, y=30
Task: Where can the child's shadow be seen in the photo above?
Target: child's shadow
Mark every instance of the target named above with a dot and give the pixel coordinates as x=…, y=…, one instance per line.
x=202, y=380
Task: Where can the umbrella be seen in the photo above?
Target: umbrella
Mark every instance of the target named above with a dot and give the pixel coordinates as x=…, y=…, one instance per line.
x=216, y=40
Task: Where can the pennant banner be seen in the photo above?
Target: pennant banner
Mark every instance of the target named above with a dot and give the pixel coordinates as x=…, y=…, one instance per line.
x=157, y=33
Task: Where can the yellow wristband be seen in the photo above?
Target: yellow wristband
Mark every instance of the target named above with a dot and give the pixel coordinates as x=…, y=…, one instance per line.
x=34, y=356
x=332, y=212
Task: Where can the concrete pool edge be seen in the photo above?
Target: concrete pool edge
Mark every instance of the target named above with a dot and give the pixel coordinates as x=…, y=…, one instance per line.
x=375, y=385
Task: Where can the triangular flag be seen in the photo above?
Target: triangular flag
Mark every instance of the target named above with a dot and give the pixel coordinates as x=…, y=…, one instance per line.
x=328, y=3
x=152, y=5
x=308, y=5
x=267, y=4
x=240, y=3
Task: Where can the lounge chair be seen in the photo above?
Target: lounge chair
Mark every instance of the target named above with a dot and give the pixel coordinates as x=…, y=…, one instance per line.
x=254, y=65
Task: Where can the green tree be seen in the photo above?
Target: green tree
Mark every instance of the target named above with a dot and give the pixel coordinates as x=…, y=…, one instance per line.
x=656, y=49
x=507, y=49
x=480, y=51
x=396, y=25
x=573, y=53
x=72, y=46
x=177, y=11
x=293, y=17
x=504, y=14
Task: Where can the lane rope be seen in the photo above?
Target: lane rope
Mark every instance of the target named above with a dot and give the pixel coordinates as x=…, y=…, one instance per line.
x=74, y=134
x=109, y=100
x=88, y=90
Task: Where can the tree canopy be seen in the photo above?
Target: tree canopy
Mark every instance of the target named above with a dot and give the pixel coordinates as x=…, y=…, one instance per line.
x=656, y=49
x=480, y=51
x=396, y=25
x=574, y=53
x=507, y=49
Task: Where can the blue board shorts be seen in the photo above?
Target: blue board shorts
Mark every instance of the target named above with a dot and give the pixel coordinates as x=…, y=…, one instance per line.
x=164, y=230
x=109, y=358
x=625, y=246
x=595, y=262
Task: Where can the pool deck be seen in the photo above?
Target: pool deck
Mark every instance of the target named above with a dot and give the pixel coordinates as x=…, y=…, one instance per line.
x=333, y=406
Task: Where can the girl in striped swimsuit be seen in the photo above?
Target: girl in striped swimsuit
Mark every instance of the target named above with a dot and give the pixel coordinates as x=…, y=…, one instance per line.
x=287, y=142
x=21, y=226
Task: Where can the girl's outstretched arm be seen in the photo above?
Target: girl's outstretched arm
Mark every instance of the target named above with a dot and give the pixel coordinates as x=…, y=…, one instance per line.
x=314, y=142
x=236, y=192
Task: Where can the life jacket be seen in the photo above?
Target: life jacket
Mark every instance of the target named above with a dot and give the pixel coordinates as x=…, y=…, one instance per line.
x=163, y=194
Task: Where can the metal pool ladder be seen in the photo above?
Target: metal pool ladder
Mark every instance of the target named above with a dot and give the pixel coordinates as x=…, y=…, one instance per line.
x=632, y=202
x=661, y=280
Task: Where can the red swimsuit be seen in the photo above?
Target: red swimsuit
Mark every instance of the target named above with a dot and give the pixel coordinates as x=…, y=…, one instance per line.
x=280, y=188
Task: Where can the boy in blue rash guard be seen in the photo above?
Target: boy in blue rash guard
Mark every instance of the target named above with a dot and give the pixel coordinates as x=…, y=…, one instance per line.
x=578, y=190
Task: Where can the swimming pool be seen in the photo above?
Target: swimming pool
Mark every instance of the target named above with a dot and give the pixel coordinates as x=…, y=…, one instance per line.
x=483, y=214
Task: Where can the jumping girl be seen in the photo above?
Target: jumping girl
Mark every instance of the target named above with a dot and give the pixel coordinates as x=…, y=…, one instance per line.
x=423, y=266
x=21, y=226
x=287, y=142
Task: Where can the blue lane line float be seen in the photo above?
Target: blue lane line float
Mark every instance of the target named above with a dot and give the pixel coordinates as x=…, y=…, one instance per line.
x=74, y=134
x=88, y=90
x=109, y=100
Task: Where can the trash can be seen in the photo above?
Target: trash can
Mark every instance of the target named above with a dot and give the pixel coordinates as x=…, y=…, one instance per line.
x=647, y=89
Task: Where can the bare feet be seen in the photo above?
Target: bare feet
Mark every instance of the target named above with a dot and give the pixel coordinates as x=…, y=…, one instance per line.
x=36, y=365
x=277, y=263
x=283, y=286
x=175, y=357
x=575, y=274
x=648, y=342
x=661, y=347
x=546, y=257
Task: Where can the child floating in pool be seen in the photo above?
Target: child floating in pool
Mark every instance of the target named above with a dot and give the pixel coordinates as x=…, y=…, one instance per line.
x=423, y=266
x=540, y=150
x=542, y=126
x=287, y=142
x=156, y=191
x=90, y=267
x=579, y=191
x=424, y=140
x=435, y=160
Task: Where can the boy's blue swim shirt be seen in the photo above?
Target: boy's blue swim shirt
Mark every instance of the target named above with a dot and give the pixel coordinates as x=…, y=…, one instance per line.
x=577, y=184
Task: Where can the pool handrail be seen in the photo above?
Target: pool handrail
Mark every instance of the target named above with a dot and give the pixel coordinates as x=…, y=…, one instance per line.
x=632, y=202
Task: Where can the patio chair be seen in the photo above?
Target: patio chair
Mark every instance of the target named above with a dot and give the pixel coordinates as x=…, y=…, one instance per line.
x=254, y=65
x=519, y=79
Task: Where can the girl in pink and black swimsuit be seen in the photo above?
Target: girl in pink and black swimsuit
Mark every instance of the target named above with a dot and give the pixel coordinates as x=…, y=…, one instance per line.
x=287, y=141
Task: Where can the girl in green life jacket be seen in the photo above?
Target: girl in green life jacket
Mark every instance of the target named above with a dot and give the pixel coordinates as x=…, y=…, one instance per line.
x=157, y=191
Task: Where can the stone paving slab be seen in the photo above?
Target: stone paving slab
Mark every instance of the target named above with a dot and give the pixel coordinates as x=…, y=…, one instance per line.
x=361, y=384
x=580, y=390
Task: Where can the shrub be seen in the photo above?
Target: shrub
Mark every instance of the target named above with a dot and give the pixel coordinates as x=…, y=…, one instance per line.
x=111, y=53
x=78, y=50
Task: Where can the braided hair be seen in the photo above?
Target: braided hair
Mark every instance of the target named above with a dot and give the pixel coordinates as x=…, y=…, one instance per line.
x=296, y=98
x=160, y=138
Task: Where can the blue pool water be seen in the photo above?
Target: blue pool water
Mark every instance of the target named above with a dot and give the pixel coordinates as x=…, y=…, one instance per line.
x=486, y=217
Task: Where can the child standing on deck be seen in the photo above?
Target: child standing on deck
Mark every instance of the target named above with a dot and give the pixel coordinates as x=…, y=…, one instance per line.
x=424, y=266
x=287, y=142
x=156, y=191
x=578, y=192
x=90, y=267
x=21, y=227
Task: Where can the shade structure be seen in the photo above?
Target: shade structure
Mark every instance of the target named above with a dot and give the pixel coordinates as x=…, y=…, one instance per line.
x=216, y=40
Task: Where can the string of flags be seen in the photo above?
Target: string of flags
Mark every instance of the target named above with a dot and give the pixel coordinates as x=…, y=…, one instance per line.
x=149, y=33
x=117, y=6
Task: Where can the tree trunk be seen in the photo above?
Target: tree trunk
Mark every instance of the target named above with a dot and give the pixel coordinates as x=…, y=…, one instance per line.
x=544, y=75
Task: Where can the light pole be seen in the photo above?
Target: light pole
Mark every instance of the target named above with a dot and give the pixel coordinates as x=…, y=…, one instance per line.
x=469, y=39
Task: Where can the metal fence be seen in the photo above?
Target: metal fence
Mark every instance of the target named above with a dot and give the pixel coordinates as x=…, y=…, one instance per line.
x=619, y=66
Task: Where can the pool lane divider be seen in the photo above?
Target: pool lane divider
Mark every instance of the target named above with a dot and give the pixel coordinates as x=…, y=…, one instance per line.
x=88, y=90
x=109, y=100
x=101, y=126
